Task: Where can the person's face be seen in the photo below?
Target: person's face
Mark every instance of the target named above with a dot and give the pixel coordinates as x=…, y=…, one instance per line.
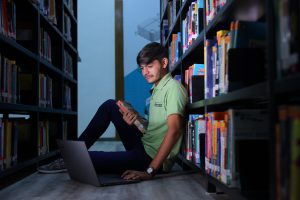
x=154, y=71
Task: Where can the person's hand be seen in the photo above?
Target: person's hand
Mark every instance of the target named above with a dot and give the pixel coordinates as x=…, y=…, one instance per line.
x=135, y=175
x=129, y=116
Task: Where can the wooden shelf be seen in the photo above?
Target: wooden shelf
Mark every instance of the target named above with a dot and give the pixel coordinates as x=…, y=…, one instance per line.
x=17, y=107
x=255, y=92
x=189, y=164
x=235, y=194
x=10, y=43
x=70, y=45
x=50, y=66
x=176, y=68
x=254, y=96
x=196, y=105
x=56, y=111
x=184, y=8
x=27, y=163
x=258, y=91
x=232, y=10
x=26, y=54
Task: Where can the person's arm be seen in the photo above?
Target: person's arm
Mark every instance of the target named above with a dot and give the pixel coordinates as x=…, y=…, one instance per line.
x=170, y=139
x=129, y=115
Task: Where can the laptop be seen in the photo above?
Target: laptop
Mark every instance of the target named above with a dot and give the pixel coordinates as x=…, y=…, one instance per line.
x=80, y=167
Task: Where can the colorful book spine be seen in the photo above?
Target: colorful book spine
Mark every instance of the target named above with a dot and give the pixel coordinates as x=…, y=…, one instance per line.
x=191, y=26
x=8, y=18
x=2, y=156
x=212, y=9
x=9, y=83
x=287, y=151
x=45, y=91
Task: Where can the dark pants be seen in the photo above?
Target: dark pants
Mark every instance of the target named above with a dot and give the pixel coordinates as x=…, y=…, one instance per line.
x=134, y=158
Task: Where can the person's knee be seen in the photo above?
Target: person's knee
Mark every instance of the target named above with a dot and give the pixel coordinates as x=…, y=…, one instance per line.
x=110, y=103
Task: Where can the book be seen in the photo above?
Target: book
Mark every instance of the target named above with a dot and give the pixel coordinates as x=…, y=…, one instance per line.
x=1, y=145
x=287, y=37
x=249, y=35
x=141, y=123
x=295, y=153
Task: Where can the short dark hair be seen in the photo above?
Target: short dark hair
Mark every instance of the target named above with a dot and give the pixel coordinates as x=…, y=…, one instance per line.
x=150, y=52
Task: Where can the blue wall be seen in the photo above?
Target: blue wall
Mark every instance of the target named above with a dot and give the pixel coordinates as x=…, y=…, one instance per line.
x=136, y=90
x=96, y=71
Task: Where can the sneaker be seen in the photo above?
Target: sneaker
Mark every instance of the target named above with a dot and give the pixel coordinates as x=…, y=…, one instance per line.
x=57, y=166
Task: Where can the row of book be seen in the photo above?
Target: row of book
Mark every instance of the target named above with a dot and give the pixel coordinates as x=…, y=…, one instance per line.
x=194, y=82
x=8, y=18
x=287, y=37
x=9, y=80
x=46, y=52
x=242, y=34
x=65, y=129
x=212, y=8
x=221, y=132
x=173, y=8
x=287, y=151
x=67, y=27
x=45, y=49
x=45, y=91
x=48, y=129
x=194, y=139
x=48, y=8
x=67, y=103
x=174, y=50
x=16, y=131
x=43, y=137
x=228, y=63
x=167, y=24
x=8, y=144
x=68, y=64
x=192, y=25
x=17, y=86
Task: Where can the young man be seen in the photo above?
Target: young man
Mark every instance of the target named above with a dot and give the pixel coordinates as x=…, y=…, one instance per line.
x=155, y=150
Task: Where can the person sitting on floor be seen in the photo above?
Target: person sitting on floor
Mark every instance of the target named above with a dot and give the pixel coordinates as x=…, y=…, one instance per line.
x=156, y=149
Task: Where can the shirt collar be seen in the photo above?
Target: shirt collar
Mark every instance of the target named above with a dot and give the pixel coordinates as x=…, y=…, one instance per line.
x=162, y=82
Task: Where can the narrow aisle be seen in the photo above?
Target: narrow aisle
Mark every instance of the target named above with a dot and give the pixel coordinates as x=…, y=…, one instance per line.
x=60, y=186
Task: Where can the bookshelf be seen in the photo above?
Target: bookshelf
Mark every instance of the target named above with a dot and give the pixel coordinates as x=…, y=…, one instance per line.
x=274, y=89
x=38, y=96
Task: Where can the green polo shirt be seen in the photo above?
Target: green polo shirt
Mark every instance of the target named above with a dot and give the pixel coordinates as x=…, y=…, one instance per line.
x=168, y=97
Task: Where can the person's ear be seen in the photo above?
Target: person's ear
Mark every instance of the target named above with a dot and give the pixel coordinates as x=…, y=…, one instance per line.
x=165, y=62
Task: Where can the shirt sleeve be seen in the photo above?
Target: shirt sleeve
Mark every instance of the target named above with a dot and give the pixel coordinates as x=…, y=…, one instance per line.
x=176, y=99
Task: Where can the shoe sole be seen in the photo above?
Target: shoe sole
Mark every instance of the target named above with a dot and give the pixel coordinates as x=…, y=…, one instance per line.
x=52, y=171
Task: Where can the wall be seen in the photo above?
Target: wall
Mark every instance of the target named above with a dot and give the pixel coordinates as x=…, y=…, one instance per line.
x=96, y=71
x=141, y=26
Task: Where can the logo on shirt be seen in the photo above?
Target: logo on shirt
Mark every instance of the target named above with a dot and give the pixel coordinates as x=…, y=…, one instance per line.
x=158, y=104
